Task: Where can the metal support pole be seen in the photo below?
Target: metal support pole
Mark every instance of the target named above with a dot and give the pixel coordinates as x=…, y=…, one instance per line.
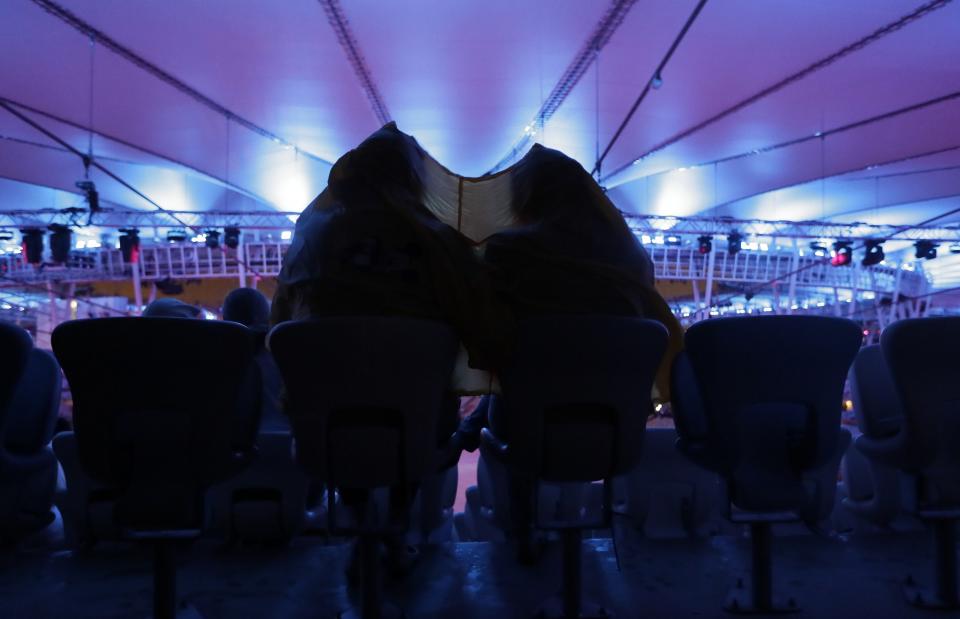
x=708, y=293
x=164, y=581
x=370, y=606
x=762, y=537
x=836, y=301
x=695, y=283
x=137, y=292
x=571, y=573
x=945, y=547
x=241, y=264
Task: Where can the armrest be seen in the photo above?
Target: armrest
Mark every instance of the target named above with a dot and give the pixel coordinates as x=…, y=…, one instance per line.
x=497, y=447
x=886, y=450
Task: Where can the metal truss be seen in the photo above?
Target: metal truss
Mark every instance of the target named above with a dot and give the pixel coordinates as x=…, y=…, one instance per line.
x=115, y=218
x=196, y=261
x=655, y=226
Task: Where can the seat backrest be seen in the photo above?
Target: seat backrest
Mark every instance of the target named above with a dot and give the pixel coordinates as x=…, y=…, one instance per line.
x=922, y=354
x=576, y=394
x=364, y=394
x=875, y=399
x=33, y=410
x=155, y=399
x=771, y=389
x=16, y=346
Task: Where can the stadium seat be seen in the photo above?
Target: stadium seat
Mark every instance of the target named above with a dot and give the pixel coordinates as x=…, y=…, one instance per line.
x=757, y=399
x=575, y=400
x=921, y=355
x=873, y=488
x=266, y=502
x=156, y=422
x=364, y=395
x=666, y=495
x=28, y=468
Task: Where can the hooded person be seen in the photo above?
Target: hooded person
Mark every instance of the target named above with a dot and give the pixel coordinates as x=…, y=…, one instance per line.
x=367, y=245
x=570, y=251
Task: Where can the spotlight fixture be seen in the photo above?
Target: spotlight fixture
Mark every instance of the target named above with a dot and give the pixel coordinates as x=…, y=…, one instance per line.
x=818, y=249
x=231, y=237
x=842, y=254
x=954, y=248
x=734, y=243
x=177, y=235
x=672, y=240
x=32, y=245
x=6, y=235
x=874, y=253
x=213, y=238
x=704, y=244
x=60, y=240
x=130, y=245
x=926, y=250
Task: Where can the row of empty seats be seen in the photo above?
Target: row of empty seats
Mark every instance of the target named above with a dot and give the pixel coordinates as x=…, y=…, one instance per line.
x=162, y=442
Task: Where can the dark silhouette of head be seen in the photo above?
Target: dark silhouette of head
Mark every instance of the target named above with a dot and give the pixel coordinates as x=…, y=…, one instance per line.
x=171, y=308
x=247, y=306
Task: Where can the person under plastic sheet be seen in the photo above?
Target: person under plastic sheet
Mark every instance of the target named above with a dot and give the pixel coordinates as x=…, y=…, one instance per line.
x=250, y=308
x=571, y=252
x=367, y=245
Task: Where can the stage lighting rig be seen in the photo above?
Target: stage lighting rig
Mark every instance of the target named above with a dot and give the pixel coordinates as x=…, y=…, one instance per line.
x=212, y=238
x=926, y=250
x=671, y=240
x=842, y=254
x=60, y=240
x=231, y=237
x=874, y=253
x=734, y=243
x=705, y=244
x=130, y=244
x=32, y=245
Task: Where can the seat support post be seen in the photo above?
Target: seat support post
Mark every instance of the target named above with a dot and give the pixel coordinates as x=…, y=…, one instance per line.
x=571, y=573
x=759, y=598
x=370, y=606
x=762, y=566
x=945, y=547
x=164, y=581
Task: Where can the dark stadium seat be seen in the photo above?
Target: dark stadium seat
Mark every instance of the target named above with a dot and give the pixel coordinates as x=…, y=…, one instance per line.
x=873, y=487
x=921, y=355
x=574, y=404
x=757, y=399
x=28, y=415
x=364, y=395
x=155, y=416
